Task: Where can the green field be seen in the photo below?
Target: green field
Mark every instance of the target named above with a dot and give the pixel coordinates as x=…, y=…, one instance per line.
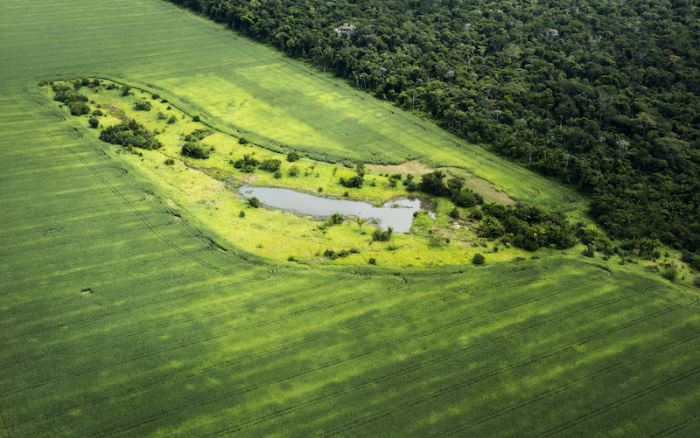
x=183, y=337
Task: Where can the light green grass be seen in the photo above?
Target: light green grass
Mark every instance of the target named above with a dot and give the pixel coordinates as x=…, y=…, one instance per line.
x=183, y=338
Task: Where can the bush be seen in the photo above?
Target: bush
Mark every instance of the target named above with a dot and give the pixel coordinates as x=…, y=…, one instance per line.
x=254, y=202
x=126, y=90
x=335, y=219
x=78, y=108
x=243, y=140
x=196, y=119
x=130, y=134
x=272, y=165
x=169, y=162
x=292, y=157
x=195, y=150
x=241, y=214
x=354, y=182
x=382, y=236
x=372, y=261
x=143, y=105
x=293, y=171
x=97, y=113
x=670, y=273
x=172, y=120
x=94, y=123
x=478, y=259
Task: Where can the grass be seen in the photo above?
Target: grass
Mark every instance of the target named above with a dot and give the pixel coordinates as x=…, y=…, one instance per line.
x=182, y=337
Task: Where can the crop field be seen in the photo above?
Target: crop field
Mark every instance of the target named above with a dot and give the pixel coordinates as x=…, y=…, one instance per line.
x=117, y=319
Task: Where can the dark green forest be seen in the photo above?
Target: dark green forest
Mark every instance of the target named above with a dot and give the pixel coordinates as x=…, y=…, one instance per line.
x=600, y=94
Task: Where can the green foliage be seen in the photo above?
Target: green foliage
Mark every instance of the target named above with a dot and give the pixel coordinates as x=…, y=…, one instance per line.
x=670, y=273
x=292, y=157
x=172, y=120
x=335, y=219
x=271, y=165
x=247, y=164
x=94, y=123
x=241, y=214
x=527, y=226
x=243, y=140
x=478, y=259
x=254, y=202
x=143, y=105
x=353, y=182
x=130, y=134
x=78, y=108
x=195, y=150
x=169, y=162
x=382, y=236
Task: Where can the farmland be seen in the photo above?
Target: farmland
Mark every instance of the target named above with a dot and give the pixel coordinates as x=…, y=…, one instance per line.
x=117, y=319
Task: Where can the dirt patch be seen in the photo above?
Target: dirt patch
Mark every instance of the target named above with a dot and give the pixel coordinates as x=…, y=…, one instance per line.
x=248, y=179
x=413, y=167
x=172, y=203
x=479, y=185
x=86, y=291
x=116, y=112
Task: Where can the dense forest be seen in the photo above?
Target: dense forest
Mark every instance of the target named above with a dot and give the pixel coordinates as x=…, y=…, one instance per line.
x=600, y=94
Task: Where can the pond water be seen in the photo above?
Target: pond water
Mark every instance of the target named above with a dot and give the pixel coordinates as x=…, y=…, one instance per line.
x=397, y=213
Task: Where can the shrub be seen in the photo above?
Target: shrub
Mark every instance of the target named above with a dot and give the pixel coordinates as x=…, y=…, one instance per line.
x=97, y=113
x=272, y=165
x=143, y=105
x=195, y=150
x=670, y=273
x=243, y=140
x=254, y=202
x=155, y=97
x=382, y=236
x=196, y=119
x=126, y=90
x=130, y=134
x=78, y=108
x=241, y=214
x=335, y=219
x=169, y=162
x=372, y=261
x=354, y=182
x=94, y=123
x=293, y=171
x=172, y=120
x=278, y=175
x=478, y=259
x=292, y=157
x=454, y=213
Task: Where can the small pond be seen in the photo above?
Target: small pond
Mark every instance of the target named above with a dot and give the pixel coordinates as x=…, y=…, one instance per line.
x=397, y=213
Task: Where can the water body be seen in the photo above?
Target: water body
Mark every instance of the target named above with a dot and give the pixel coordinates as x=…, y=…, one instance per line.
x=397, y=213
